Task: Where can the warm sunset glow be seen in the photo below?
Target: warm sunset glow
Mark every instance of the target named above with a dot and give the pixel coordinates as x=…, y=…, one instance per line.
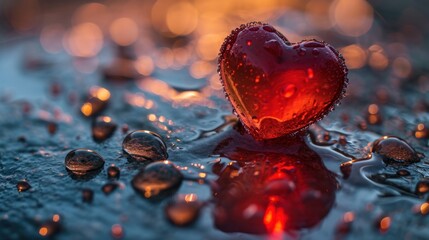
x=83, y=40
x=354, y=55
x=144, y=65
x=124, y=31
x=182, y=18
x=50, y=38
x=352, y=17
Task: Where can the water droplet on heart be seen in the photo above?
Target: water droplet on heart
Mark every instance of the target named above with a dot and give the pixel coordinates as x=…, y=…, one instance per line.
x=314, y=44
x=81, y=161
x=403, y=173
x=143, y=145
x=253, y=29
x=394, y=150
x=23, y=186
x=113, y=172
x=183, y=212
x=268, y=28
x=315, y=52
x=289, y=90
x=87, y=195
x=249, y=43
x=257, y=79
x=422, y=186
x=273, y=47
x=102, y=128
x=157, y=180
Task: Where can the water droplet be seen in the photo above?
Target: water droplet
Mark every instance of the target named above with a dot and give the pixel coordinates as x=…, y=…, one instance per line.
x=50, y=227
x=52, y=128
x=314, y=44
x=257, y=79
x=143, y=145
x=289, y=90
x=103, y=128
x=157, y=180
x=342, y=140
x=384, y=224
x=268, y=28
x=253, y=29
x=249, y=43
x=96, y=102
x=23, y=186
x=108, y=188
x=394, y=150
x=125, y=128
x=117, y=231
x=422, y=186
x=113, y=172
x=273, y=47
x=87, y=195
x=403, y=173
x=182, y=213
x=82, y=161
x=315, y=52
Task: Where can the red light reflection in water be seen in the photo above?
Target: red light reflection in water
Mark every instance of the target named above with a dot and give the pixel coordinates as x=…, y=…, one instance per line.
x=276, y=186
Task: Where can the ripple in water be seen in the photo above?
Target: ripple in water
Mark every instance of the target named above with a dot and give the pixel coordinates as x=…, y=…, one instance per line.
x=143, y=145
x=157, y=180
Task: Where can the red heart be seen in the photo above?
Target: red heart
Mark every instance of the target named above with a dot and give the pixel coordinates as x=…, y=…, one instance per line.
x=278, y=88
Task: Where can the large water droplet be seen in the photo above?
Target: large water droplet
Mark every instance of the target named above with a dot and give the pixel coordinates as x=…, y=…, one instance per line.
x=273, y=47
x=157, y=180
x=23, y=186
x=143, y=145
x=268, y=28
x=102, y=128
x=82, y=161
x=394, y=150
x=289, y=90
x=182, y=212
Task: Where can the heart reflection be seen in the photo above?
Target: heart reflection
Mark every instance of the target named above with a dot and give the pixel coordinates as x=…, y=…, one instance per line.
x=274, y=186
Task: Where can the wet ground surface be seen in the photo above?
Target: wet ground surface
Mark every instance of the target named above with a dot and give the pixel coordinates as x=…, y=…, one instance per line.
x=326, y=181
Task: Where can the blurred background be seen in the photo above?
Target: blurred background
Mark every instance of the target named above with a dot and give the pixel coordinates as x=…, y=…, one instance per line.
x=378, y=34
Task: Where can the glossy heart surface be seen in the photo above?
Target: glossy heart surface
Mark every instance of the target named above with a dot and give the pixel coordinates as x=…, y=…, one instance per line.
x=277, y=88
